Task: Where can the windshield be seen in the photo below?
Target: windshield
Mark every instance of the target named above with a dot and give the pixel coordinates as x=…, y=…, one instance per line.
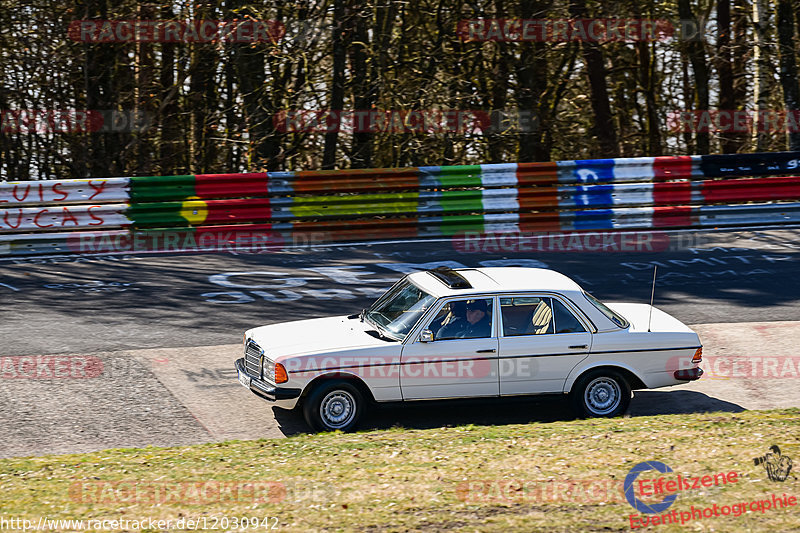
x=396, y=312
x=612, y=315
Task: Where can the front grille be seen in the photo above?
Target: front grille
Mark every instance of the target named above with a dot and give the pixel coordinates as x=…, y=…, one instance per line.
x=252, y=359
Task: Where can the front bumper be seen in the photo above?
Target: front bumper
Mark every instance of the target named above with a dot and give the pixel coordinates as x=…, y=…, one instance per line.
x=266, y=390
x=689, y=374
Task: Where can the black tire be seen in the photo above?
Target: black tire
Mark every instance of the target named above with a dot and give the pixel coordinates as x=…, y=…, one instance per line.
x=334, y=405
x=600, y=393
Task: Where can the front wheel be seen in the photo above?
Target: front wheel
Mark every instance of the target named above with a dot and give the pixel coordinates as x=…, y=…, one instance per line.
x=333, y=405
x=600, y=393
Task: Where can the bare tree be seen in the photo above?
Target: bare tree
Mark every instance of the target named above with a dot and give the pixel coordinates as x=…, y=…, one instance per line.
x=695, y=51
x=762, y=85
x=340, y=39
x=604, y=128
x=787, y=52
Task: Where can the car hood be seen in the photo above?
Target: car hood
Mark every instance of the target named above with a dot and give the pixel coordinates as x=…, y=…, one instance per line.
x=301, y=337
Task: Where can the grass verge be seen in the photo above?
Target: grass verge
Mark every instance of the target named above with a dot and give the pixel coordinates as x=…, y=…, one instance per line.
x=558, y=476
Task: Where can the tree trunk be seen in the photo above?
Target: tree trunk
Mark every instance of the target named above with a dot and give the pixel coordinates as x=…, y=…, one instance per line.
x=688, y=98
x=145, y=101
x=232, y=154
x=363, y=86
x=531, y=86
x=788, y=65
x=695, y=50
x=497, y=100
x=553, y=97
x=647, y=73
x=339, y=42
x=763, y=72
x=169, y=145
x=98, y=71
x=251, y=77
x=725, y=70
x=740, y=51
x=604, y=128
x=202, y=95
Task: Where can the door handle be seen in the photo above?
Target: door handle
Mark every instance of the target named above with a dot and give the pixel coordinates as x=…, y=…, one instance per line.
x=578, y=346
x=491, y=350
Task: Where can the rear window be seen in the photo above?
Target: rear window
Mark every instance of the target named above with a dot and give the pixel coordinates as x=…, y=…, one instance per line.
x=615, y=317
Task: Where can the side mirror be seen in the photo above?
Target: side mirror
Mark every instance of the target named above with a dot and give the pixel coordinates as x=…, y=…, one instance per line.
x=426, y=336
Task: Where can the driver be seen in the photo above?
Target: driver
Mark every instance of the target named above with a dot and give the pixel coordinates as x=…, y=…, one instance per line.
x=476, y=323
x=479, y=324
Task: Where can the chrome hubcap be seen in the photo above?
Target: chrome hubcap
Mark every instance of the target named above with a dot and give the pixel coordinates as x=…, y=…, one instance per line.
x=337, y=409
x=602, y=395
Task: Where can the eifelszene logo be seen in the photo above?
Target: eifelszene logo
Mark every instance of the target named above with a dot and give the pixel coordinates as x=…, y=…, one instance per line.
x=630, y=494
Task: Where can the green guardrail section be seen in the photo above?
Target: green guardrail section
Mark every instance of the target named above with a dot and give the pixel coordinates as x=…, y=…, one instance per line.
x=161, y=188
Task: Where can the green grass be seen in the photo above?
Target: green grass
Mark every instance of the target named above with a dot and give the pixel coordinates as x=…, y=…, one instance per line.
x=398, y=479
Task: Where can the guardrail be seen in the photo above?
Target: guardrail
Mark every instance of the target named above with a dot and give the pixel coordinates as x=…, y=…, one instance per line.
x=213, y=211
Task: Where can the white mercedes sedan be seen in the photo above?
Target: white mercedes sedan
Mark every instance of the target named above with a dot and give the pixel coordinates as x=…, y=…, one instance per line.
x=470, y=333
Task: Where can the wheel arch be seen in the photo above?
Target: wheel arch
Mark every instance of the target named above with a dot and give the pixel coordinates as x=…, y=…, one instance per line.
x=631, y=377
x=353, y=379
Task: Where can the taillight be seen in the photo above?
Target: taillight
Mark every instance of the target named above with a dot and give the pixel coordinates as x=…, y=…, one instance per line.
x=698, y=355
x=280, y=374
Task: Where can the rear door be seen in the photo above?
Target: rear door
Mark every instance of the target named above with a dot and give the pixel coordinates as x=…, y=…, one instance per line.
x=541, y=340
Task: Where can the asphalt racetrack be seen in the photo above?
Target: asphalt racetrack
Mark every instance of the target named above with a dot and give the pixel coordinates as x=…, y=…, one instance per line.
x=139, y=349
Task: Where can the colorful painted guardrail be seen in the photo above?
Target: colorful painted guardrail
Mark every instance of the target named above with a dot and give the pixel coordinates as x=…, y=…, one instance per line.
x=274, y=208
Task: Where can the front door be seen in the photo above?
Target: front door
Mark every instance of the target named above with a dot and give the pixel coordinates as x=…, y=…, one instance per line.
x=461, y=360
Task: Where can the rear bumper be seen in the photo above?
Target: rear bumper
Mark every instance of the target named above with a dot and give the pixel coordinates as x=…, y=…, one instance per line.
x=266, y=390
x=688, y=374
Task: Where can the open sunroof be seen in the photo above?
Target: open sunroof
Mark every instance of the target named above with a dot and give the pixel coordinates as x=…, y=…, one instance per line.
x=450, y=277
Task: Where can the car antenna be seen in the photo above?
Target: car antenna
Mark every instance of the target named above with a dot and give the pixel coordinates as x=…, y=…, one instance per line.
x=652, y=294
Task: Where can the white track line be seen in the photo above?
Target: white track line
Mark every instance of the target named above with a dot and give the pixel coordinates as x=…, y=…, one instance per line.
x=516, y=235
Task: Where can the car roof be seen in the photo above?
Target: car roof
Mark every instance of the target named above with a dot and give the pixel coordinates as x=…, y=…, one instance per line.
x=498, y=279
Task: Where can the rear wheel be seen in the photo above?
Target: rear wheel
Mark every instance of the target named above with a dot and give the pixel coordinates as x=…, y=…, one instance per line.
x=600, y=393
x=334, y=405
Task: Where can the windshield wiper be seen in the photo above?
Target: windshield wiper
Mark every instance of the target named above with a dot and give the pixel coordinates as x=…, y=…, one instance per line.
x=374, y=323
x=379, y=330
x=382, y=333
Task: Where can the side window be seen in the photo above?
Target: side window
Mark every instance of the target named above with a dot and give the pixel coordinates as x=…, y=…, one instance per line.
x=565, y=320
x=463, y=319
x=450, y=313
x=526, y=316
